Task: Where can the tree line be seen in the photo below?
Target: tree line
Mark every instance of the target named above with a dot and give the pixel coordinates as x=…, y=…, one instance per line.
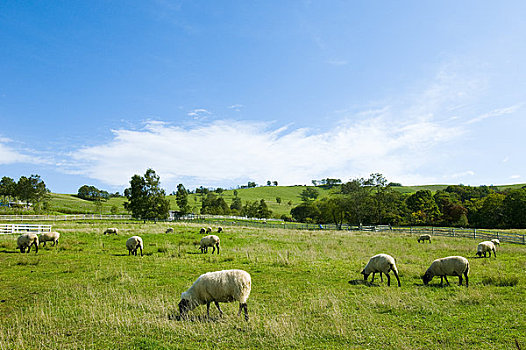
x=373, y=201
x=31, y=191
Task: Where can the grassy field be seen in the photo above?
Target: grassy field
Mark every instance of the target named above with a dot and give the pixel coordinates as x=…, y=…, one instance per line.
x=87, y=293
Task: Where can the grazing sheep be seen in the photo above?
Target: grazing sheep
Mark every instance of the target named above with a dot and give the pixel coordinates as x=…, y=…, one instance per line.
x=219, y=286
x=219, y=229
x=26, y=241
x=424, y=238
x=49, y=237
x=495, y=241
x=209, y=241
x=486, y=247
x=169, y=230
x=202, y=230
x=111, y=230
x=450, y=266
x=208, y=230
x=134, y=243
x=382, y=263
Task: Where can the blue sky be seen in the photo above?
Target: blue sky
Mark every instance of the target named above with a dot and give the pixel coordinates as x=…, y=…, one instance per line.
x=219, y=93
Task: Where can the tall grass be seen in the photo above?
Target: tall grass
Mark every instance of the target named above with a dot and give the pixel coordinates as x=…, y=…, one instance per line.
x=88, y=293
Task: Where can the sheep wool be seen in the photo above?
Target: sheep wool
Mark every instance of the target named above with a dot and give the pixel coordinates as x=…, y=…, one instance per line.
x=26, y=241
x=49, y=237
x=486, y=247
x=449, y=266
x=424, y=238
x=382, y=263
x=134, y=243
x=219, y=286
x=209, y=241
x=111, y=230
x=169, y=230
x=496, y=242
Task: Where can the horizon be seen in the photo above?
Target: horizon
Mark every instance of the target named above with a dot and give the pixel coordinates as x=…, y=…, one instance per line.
x=220, y=94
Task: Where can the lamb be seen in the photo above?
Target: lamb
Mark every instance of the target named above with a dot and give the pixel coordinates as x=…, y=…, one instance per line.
x=209, y=241
x=111, y=230
x=219, y=286
x=49, y=236
x=382, y=263
x=424, y=238
x=495, y=241
x=486, y=246
x=449, y=266
x=169, y=230
x=134, y=243
x=26, y=241
x=219, y=229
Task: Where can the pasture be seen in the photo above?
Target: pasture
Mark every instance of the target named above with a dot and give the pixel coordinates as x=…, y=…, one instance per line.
x=87, y=293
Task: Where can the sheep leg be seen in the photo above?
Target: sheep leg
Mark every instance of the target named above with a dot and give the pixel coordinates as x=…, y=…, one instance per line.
x=445, y=277
x=220, y=311
x=244, y=307
x=141, y=251
x=441, y=280
x=372, y=279
x=388, y=278
x=208, y=309
x=217, y=248
x=44, y=244
x=381, y=277
x=466, y=276
x=460, y=279
x=397, y=278
x=213, y=249
x=495, y=254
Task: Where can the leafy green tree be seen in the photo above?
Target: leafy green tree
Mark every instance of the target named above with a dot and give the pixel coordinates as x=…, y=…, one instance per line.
x=263, y=211
x=306, y=212
x=32, y=190
x=214, y=205
x=236, y=204
x=309, y=194
x=423, y=207
x=514, y=207
x=278, y=200
x=181, y=198
x=358, y=201
x=7, y=189
x=332, y=210
x=146, y=199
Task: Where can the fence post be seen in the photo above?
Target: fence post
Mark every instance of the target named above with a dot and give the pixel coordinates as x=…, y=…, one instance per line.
x=433, y=230
x=474, y=233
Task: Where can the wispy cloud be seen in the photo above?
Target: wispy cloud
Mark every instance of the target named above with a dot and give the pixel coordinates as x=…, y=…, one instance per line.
x=198, y=113
x=496, y=113
x=10, y=155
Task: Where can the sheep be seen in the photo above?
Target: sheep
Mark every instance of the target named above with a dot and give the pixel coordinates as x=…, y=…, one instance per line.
x=202, y=230
x=49, y=236
x=26, y=241
x=134, y=243
x=111, y=230
x=495, y=241
x=209, y=241
x=219, y=286
x=208, y=230
x=449, y=266
x=424, y=238
x=219, y=229
x=169, y=230
x=382, y=263
x=486, y=246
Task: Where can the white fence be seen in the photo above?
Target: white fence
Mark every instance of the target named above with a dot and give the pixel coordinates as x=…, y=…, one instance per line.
x=62, y=217
x=23, y=228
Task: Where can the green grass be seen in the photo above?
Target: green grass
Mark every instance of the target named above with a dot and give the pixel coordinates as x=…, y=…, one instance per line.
x=88, y=293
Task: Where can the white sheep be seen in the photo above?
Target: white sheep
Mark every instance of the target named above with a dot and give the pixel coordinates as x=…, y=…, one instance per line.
x=134, y=243
x=486, y=247
x=382, y=263
x=209, y=241
x=449, y=266
x=209, y=230
x=49, y=237
x=424, y=238
x=219, y=229
x=219, y=286
x=202, y=230
x=26, y=241
x=111, y=230
x=495, y=241
x=169, y=230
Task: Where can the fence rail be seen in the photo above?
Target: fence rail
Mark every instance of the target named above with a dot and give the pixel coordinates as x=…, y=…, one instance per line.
x=23, y=228
x=63, y=217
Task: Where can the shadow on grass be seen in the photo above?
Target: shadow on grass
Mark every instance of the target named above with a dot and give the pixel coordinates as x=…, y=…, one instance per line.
x=10, y=251
x=362, y=282
x=192, y=318
x=119, y=254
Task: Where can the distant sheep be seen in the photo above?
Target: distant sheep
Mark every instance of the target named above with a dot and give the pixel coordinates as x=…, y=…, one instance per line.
x=219, y=229
x=424, y=238
x=486, y=247
x=26, y=241
x=382, y=263
x=219, y=286
x=111, y=230
x=134, y=243
x=49, y=237
x=202, y=230
x=209, y=241
x=495, y=241
x=450, y=266
x=208, y=230
x=169, y=230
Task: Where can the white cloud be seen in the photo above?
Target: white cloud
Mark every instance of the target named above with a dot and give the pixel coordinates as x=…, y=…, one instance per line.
x=515, y=177
x=198, y=113
x=496, y=113
x=462, y=174
x=9, y=155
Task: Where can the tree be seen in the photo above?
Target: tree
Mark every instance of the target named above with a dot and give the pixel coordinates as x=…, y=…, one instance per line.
x=306, y=212
x=278, y=200
x=236, y=204
x=332, y=210
x=32, y=190
x=263, y=211
x=7, y=189
x=269, y=182
x=309, y=194
x=214, y=205
x=181, y=198
x=275, y=183
x=423, y=207
x=146, y=199
x=358, y=200
x=514, y=206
